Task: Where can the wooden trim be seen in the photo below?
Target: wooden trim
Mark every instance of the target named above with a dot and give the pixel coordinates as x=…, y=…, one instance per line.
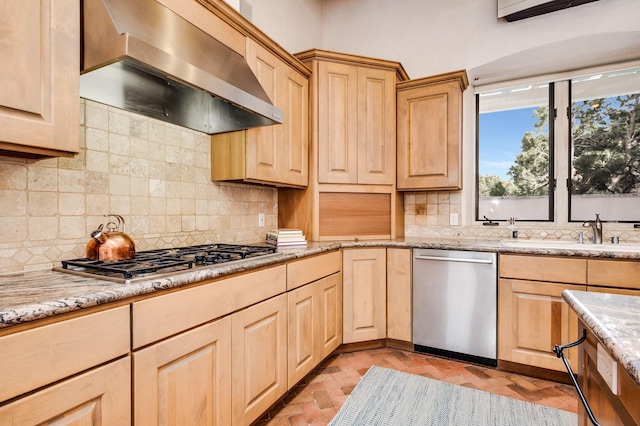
x=326, y=55
x=459, y=77
x=541, y=373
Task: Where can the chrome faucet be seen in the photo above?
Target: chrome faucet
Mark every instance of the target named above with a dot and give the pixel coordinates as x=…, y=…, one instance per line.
x=596, y=226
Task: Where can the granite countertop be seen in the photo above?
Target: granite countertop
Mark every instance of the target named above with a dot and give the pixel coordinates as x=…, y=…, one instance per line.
x=31, y=296
x=615, y=320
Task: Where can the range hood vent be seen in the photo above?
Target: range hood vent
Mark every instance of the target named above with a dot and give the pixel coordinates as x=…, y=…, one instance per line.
x=515, y=10
x=140, y=56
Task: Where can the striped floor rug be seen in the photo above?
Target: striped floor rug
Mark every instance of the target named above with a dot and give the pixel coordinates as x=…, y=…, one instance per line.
x=389, y=397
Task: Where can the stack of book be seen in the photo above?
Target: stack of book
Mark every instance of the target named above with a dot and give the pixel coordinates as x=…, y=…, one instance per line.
x=285, y=238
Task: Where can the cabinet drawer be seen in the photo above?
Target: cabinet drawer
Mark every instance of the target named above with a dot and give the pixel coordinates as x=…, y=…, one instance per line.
x=310, y=269
x=37, y=357
x=614, y=273
x=163, y=316
x=543, y=268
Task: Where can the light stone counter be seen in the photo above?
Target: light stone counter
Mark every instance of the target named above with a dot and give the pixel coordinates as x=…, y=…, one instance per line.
x=36, y=295
x=615, y=320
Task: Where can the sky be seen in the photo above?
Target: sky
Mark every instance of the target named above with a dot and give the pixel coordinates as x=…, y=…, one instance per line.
x=500, y=139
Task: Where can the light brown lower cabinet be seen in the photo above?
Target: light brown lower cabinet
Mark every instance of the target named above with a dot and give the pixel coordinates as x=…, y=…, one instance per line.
x=185, y=379
x=364, y=294
x=534, y=318
x=101, y=396
x=259, y=358
x=315, y=325
x=399, y=294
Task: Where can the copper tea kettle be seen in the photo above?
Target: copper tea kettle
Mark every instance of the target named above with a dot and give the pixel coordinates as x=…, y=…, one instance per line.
x=112, y=244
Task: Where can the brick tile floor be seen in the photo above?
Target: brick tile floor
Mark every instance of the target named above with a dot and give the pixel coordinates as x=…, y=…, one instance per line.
x=319, y=396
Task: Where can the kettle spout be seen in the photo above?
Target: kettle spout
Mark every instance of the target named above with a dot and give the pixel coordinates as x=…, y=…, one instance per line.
x=98, y=235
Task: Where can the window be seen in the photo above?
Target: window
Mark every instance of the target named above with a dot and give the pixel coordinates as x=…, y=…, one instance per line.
x=605, y=144
x=515, y=153
x=594, y=119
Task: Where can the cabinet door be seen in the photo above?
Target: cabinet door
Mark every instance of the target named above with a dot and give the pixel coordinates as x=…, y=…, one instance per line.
x=99, y=397
x=337, y=123
x=533, y=318
x=295, y=151
x=430, y=137
x=303, y=332
x=264, y=144
x=376, y=126
x=364, y=295
x=185, y=379
x=399, y=294
x=329, y=325
x=39, y=77
x=259, y=368
x=315, y=324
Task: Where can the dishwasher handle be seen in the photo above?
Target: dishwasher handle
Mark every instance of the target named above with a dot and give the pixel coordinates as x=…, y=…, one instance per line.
x=455, y=259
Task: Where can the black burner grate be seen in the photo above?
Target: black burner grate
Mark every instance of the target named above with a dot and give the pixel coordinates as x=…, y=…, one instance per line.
x=167, y=260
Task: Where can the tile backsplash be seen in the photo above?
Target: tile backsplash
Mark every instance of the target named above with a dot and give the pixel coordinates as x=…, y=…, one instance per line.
x=156, y=175
x=427, y=215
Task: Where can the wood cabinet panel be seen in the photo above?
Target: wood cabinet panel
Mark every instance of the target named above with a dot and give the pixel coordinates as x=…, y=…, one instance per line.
x=337, y=123
x=399, y=294
x=614, y=273
x=544, y=268
x=259, y=367
x=376, y=126
x=533, y=318
x=185, y=379
x=39, y=77
x=263, y=162
x=163, y=316
x=64, y=348
x=364, y=295
x=275, y=154
x=430, y=132
x=315, y=325
x=360, y=215
x=101, y=396
x=330, y=323
x=295, y=104
x=351, y=151
x=309, y=269
x=304, y=316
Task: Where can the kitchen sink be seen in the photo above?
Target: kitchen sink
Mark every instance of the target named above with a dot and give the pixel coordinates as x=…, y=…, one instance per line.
x=571, y=245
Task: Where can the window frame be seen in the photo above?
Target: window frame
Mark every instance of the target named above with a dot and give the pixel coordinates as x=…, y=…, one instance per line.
x=552, y=155
x=562, y=151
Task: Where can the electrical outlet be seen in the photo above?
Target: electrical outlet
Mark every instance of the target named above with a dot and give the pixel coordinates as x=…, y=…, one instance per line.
x=260, y=220
x=608, y=368
x=453, y=219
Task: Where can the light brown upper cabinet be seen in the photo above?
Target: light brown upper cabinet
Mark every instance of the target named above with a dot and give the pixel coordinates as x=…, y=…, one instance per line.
x=356, y=124
x=40, y=78
x=430, y=132
x=276, y=154
x=352, y=189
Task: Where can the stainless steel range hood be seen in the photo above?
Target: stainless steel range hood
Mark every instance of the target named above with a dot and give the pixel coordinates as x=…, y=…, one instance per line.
x=142, y=57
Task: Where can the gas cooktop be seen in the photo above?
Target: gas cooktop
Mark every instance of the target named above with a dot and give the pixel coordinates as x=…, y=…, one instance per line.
x=164, y=262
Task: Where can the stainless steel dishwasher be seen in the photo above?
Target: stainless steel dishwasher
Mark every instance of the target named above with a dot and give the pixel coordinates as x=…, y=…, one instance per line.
x=455, y=296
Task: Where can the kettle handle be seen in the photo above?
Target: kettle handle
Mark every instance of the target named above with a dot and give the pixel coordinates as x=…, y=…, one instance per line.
x=120, y=220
